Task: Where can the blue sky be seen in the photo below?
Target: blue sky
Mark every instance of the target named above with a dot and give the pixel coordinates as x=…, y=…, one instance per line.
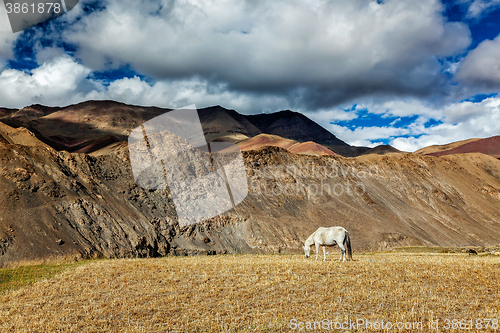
x=401, y=72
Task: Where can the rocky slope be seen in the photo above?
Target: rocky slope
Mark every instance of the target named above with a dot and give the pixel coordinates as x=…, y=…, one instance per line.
x=74, y=204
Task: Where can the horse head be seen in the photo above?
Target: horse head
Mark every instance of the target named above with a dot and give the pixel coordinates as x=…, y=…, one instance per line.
x=307, y=249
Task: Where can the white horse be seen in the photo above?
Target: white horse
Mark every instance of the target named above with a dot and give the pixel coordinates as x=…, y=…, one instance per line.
x=329, y=237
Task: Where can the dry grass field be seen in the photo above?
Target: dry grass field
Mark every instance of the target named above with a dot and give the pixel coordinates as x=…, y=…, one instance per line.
x=260, y=293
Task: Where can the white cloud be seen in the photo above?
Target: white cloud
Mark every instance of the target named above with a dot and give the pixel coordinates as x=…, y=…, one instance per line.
x=54, y=82
x=459, y=121
x=482, y=65
x=402, y=108
x=63, y=81
x=335, y=50
x=479, y=8
x=179, y=93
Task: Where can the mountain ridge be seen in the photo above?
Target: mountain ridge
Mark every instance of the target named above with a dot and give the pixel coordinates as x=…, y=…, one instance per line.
x=489, y=146
x=56, y=203
x=75, y=126
x=302, y=127
x=87, y=204
x=91, y=123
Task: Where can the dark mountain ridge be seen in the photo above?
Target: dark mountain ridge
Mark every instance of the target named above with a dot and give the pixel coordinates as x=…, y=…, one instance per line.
x=295, y=126
x=76, y=126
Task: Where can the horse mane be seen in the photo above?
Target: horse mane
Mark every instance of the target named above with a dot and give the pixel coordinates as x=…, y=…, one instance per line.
x=309, y=241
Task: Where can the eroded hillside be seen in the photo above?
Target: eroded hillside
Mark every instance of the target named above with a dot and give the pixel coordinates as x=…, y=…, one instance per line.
x=72, y=204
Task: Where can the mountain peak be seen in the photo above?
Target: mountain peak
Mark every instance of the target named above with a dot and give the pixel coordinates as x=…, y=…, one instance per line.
x=94, y=119
x=295, y=126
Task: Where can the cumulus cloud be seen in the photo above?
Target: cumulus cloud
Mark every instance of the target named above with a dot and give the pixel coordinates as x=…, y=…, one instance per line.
x=366, y=136
x=314, y=53
x=63, y=81
x=179, y=93
x=7, y=38
x=54, y=82
x=306, y=55
x=481, y=67
x=6, y=48
x=457, y=121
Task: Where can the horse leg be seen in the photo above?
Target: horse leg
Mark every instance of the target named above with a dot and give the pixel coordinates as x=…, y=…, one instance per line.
x=324, y=253
x=342, y=255
x=317, y=250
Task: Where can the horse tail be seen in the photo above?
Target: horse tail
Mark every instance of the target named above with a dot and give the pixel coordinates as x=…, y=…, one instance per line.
x=347, y=243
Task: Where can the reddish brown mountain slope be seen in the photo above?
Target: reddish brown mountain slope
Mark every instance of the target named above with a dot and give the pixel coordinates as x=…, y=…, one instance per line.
x=311, y=148
x=488, y=146
x=438, y=148
x=267, y=140
x=382, y=150
x=262, y=140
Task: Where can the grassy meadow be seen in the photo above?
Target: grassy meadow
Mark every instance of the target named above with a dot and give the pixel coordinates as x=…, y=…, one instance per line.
x=259, y=293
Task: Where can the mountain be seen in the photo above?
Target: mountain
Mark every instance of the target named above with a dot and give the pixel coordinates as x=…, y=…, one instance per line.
x=34, y=111
x=84, y=126
x=294, y=126
x=69, y=204
x=383, y=150
x=263, y=140
x=58, y=203
x=439, y=148
x=5, y=112
x=489, y=146
x=220, y=124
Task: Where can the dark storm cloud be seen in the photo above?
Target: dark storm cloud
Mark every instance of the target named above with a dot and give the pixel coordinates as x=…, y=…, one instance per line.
x=328, y=52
